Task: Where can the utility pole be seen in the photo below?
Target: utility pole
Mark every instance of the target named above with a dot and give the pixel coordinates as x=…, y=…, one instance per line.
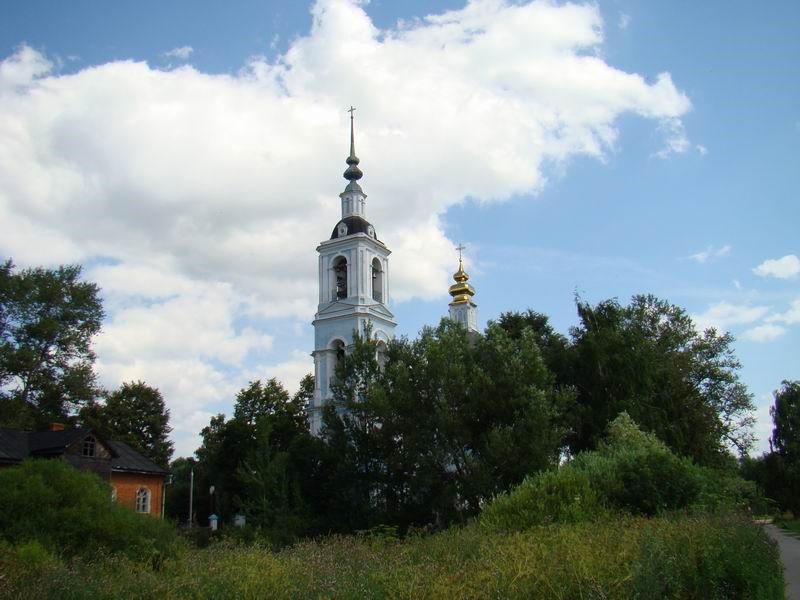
x=191, y=495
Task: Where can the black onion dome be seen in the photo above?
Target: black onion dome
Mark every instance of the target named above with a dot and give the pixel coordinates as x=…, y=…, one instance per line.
x=354, y=225
x=352, y=173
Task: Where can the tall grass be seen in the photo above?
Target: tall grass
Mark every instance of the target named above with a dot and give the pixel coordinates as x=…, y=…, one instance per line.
x=628, y=557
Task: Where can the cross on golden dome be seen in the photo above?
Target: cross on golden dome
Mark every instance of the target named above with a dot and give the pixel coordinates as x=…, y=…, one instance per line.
x=461, y=291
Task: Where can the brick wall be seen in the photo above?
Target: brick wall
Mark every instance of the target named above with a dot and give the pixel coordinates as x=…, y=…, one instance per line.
x=128, y=484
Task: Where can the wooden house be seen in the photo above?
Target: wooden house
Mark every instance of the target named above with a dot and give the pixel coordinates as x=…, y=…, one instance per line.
x=136, y=481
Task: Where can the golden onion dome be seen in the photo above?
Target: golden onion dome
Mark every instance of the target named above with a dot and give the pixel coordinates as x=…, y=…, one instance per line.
x=461, y=291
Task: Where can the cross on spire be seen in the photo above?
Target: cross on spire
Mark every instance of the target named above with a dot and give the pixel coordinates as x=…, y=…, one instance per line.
x=351, y=110
x=461, y=247
x=352, y=173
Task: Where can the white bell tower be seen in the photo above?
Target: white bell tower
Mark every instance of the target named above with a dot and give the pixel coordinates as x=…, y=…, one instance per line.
x=353, y=287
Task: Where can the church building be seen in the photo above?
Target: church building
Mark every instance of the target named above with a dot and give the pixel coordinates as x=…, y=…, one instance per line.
x=353, y=287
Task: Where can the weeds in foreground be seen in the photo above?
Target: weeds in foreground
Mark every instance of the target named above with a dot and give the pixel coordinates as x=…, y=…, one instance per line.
x=626, y=557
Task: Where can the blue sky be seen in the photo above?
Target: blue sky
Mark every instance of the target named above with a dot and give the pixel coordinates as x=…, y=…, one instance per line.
x=189, y=154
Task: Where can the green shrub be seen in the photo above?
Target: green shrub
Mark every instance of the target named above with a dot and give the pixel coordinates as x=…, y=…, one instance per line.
x=727, y=491
x=631, y=472
x=650, y=482
x=624, y=434
x=562, y=496
x=634, y=471
x=70, y=512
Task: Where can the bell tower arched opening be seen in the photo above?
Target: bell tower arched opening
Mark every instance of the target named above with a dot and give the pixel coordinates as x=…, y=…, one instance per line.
x=339, y=349
x=380, y=354
x=340, y=278
x=377, y=280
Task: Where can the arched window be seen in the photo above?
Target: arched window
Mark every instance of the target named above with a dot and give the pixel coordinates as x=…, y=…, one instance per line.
x=380, y=355
x=339, y=347
x=340, y=278
x=377, y=280
x=143, y=500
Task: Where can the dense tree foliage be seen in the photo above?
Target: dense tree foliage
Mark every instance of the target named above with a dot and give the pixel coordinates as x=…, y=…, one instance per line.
x=47, y=320
x=176, y=504
x=778, y=472
x=449, y=422
x=786, y=420
x=258, y=463
x=648, y=359
x=554, y=347
x=428, y=432
x=137, y=415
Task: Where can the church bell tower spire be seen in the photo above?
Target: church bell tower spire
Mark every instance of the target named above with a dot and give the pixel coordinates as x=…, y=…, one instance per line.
x=353, y=173
x=353, y=197
x=353, y=287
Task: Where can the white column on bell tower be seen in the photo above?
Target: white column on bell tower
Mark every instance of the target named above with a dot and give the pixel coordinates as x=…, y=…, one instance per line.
x=353, y=287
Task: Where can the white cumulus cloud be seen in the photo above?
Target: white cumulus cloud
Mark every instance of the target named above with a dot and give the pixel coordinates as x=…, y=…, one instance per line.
x=677, y=142
x=711, y=252
x=763, y=333
x=181, y=52
x=790, y=317
x=780, y=268
x=724, y=314
x=202, y=196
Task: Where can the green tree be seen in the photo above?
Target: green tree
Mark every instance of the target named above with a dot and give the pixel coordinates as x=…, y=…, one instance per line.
x=286, y=414
x=137, y=415
x=259, y=461
x=786, y=421
x=225, y=444
x=271, y=494
x=304, y=395
x=176, y=506
x=47, y=320
x=781, y=467
x=448, y=422
x=648, y=359
x=553, y=346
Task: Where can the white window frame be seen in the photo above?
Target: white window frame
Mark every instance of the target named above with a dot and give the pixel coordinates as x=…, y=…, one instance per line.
x=89, y=448
x=143, y=500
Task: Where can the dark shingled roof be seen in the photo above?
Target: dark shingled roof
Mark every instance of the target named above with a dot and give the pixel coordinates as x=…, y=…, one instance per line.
x=354, y=225
x=54, y=442
x=130, y=460
x=13, y=444
x=17, y=445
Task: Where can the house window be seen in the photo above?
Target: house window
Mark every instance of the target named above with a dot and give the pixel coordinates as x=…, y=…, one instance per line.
x=143, y=500
x=88, y=446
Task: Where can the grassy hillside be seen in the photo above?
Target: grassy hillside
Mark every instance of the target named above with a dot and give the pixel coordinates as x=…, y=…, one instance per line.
x=627, y=557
